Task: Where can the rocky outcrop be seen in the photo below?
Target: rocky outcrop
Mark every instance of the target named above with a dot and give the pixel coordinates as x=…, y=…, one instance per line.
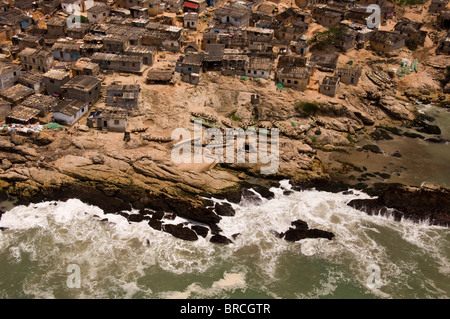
x=302, y=231
x=200, y=230
x=180, y=231
x=393, y=107
x=220, y=239
x=224, y=209
x=417, y=204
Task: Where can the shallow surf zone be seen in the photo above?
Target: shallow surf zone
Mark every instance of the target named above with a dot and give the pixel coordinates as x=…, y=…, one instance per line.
x=118, y=259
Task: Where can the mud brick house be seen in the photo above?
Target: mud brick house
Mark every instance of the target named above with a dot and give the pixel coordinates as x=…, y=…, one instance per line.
x=411, y=31
x=39, y=59
x=160, y=77
x=111, y=119
x=33, y=80
x=98, y=13
x=258, y=67
x=190, y=20
x=326, y=17
x=301, y=46
x=232, y=14
x=66, y=51
x=169, y=39
x=191, y=67
x=145, y=52
x=123, y=95
x=437, y=6
x=234, y=62
x=324, y=61
x=386, y=42
x=292, y=15
x=5, y=108
x=294, y=77
x=154, y=7
x=56, y=27
x=9, y=72
x=349, y=75
x=54, y=79
x=119, y=62
x=444, y=19
x=197, y=6
x=91, y=44
x=84, y=67
x=68, y=112
x=22, y=114
x=358, y=15
x=24, y=40
x=329, y=86
x=16, y=94
x=213, y=58
x=83, y=88
x=138, y=12
x=44, y=103
x=292, y=61
x=209, y=37
x=291, y=32
x=113, y=43
x=15, y=19
x=77, y=31
x=347, y=40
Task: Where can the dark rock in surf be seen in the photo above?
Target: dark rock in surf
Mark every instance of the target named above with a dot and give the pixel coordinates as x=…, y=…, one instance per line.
x=158, y=215
x=180, y=231
x=3, y=228
x=414, y=203
x=200, y=230
x=234, y=236
x=436, y=140
x=136, y=218
x=429, y=129
x=224, y=209
x=372, y=148
x=380, y=135
x=155, y=224
x=301, y=231
x=413, y=135
x=251, y=197
x=220, y=239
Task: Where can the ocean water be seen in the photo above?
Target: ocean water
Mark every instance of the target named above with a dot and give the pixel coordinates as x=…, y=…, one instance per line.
x=117, y=259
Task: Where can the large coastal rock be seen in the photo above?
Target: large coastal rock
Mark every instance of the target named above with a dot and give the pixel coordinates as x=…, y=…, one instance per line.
x=395, y=108
x=417, y=204
x=301, y=230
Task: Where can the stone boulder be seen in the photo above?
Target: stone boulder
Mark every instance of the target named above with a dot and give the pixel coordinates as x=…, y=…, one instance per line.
x=219, y=239
x=224, y=209
x=301, y=231
x=179, y=231
x=395, y=108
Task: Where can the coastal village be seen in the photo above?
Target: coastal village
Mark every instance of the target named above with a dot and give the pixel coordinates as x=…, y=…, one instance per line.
x=91, y=90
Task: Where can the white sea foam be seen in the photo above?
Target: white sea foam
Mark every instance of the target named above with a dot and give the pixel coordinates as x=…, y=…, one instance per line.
x=114, y=255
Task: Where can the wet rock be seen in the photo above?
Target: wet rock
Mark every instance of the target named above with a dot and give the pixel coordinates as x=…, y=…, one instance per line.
x=145, y=211
x=3, y=228
x=200, y=230
x=396, y=154
x=224, y=209
x=302, y=231
x=413, y=135
x=372, y=148
x=436, y=140
x=287, y=192
x=421, y=117
x=380, y=135
x=234, y=236
x=135, y=218
x=170, y=215
x=155, y=224
x=220, y=239
x=429, y=129
x=365, y=118
x=159, y=214
x=179, y=231
x=414, y=203
x=250, y=197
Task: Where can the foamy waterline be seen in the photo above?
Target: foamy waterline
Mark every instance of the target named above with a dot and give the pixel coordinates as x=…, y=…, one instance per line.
x=122, y=259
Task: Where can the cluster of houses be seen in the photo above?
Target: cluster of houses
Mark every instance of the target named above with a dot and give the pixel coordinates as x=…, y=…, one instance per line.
x=247, y=38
